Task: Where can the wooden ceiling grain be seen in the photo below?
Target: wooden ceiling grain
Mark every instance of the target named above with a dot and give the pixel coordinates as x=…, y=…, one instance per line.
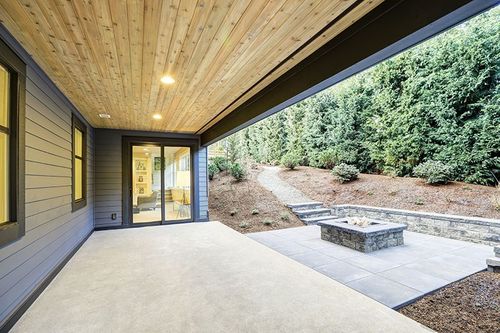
x=108, y=56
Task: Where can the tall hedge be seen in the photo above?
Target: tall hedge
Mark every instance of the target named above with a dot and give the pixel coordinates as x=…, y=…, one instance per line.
x=439, y=101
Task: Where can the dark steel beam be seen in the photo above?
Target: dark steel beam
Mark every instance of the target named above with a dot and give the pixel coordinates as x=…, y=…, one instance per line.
x=391, y=28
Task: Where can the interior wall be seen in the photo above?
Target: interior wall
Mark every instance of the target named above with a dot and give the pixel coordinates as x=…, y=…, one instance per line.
x=52, y=230
x=108, y=175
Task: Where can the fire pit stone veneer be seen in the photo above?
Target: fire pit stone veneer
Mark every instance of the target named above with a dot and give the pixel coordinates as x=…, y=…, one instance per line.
x=377, y=235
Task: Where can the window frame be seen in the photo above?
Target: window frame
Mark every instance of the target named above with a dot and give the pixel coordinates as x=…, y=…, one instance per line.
x=77, y=204
x=14, y=229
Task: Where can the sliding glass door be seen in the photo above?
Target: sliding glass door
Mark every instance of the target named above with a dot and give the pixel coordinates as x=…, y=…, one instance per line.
x=161, y=183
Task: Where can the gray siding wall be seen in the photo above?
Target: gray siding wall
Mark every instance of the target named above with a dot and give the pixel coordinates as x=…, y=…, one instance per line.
x=52, y=230
x=108, y=175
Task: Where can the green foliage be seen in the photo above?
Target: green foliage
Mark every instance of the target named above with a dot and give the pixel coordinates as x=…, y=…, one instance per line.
x=267, y=222
x=438, y=101
x=232, y=148
x=435, y=172
x=345, y=172
x=327, y=159
x=290, y=160
x=255, y=211
x=220, y=162
x=212, y=170
x=237, y=171
x=285, y=217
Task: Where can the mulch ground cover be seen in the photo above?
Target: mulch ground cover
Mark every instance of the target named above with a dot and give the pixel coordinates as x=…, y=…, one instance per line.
x=246, y=206
x=467, y=306
x=397, y=192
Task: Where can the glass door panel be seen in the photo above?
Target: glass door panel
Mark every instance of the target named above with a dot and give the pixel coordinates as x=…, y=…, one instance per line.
x=146, y=184
x=177, y=176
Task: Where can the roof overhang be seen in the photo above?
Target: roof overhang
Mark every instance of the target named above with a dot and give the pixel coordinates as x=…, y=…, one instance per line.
x=390, y=28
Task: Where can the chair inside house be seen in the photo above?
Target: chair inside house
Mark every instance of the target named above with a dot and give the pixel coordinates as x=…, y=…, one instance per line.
x=147, y=202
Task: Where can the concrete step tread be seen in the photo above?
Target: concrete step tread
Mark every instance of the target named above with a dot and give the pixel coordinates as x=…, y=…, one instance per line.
x=304, y=204
x=319, y=218
x=495, y=262
x=313, y=211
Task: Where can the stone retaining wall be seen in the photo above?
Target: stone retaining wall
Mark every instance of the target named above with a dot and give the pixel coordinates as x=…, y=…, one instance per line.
x=471, y=229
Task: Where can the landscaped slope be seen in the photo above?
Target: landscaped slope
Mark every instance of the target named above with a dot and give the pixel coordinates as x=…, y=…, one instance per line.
x=246, y=206
x=396, y=192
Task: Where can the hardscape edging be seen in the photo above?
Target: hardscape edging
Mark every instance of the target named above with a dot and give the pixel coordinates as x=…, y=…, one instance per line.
x=471, y=229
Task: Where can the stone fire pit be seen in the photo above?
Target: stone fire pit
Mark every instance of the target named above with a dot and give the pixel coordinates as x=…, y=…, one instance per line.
x=368, y=236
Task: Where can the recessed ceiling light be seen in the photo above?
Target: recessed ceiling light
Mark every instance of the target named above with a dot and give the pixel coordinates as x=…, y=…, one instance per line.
x=157, y=116
x=167, y=79
x=104, y=115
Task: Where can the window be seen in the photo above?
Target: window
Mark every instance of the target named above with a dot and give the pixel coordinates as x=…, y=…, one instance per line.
x=184, y=163
x=4, y=145
x=12, y=91
x=79, y=164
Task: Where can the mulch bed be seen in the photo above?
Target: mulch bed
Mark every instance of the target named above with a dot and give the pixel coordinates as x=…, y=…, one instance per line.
x=232, y=203
x=470, y=305
x=396, y=192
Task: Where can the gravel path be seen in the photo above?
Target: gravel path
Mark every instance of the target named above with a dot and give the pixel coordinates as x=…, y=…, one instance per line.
x=285, y=192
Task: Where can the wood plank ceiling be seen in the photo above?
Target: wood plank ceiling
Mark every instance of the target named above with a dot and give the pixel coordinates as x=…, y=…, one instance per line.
x=108, y=56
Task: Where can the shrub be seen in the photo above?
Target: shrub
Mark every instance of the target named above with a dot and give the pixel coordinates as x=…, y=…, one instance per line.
x=244, y=225
x=435, y=172
x=285, y=217
x=212, y=170
x=345, y=172
x=255, y=212
x=290, y=160
x=419, y=202
x=220, y=162
x=233, y=212
x=237, y=171
x=267, y=222
x=327, y=159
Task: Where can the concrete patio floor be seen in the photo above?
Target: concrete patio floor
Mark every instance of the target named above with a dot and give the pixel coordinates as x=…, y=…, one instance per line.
x=393, y=276
x=198, y=277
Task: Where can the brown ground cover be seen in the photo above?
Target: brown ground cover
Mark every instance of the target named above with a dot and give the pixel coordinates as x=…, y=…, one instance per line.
x=246, y=206
x=471, y=305
x=396, y=192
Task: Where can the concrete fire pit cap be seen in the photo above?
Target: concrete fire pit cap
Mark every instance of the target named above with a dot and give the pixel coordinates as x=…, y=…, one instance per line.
x=375, y=228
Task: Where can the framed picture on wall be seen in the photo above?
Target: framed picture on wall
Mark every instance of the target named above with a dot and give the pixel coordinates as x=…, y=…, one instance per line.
x=157, y=163
x=140, y=165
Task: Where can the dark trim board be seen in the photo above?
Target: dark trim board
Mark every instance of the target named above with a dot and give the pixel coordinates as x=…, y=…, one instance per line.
x=392, y=27
x=21, y=309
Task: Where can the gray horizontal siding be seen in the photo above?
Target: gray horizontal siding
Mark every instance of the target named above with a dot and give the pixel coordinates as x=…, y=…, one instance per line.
x=108, y=175
x=52, y=230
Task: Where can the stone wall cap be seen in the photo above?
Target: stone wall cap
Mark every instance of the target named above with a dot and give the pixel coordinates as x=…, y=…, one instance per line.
x=474, y=219
x=379, y=226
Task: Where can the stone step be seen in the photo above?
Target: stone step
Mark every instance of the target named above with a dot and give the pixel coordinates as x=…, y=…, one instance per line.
x=317, y=219
x=305, y=205
x=313, y=212
x=493, y=264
